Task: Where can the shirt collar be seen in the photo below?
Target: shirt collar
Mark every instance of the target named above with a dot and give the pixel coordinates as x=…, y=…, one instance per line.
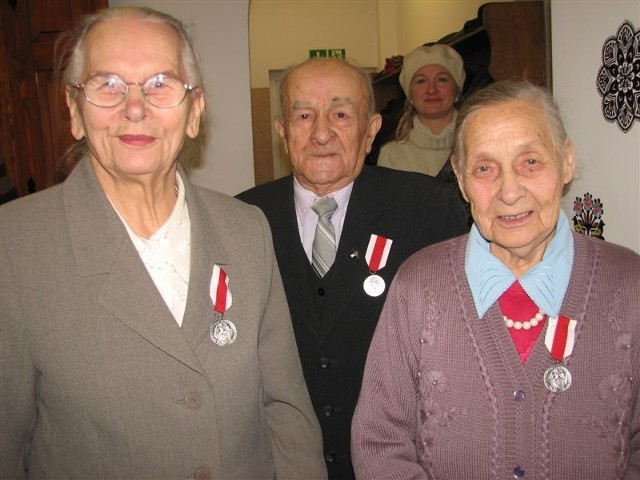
x=304, y=198
x=179, y=218
x=546, y=282
x=180, y=213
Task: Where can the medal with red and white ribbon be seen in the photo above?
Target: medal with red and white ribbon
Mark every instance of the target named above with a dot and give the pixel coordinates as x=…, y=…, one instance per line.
x=559, y=340
x=376, y=257
x=222, y=331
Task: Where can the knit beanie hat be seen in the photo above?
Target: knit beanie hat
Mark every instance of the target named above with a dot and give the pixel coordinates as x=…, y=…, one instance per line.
x=437, y=54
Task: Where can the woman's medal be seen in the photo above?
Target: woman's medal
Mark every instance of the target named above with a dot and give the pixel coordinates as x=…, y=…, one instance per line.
x=376, y=257
x=222, y=331
x=559, y=340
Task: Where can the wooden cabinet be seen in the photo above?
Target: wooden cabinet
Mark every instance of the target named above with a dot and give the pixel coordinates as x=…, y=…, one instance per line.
x=34, y=122
x=507, y=41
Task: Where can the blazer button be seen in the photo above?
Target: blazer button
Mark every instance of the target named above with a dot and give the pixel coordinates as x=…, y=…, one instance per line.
x=324, y=362
x=203, y=473
x=330, y=457
x=327, y=410
x=193, y=400
x=321, y=291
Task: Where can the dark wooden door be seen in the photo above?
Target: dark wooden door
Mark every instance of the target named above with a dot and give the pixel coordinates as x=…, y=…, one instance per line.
x=34, y=122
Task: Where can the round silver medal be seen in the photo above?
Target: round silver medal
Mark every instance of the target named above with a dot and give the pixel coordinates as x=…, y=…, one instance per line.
x=557, y=379
x=374, y=285
x=223, y=332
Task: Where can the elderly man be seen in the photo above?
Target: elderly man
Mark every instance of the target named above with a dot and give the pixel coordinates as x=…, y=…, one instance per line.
x=341, y=230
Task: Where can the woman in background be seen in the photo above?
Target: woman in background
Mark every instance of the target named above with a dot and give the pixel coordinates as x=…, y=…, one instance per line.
x=432, y=78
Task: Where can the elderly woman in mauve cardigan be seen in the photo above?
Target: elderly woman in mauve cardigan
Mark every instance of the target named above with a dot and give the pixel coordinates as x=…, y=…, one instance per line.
x=513, y=351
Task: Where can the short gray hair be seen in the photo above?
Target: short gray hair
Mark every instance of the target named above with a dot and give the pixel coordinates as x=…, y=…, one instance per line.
x=502, y=92
x=73, y=42
x=364, y=76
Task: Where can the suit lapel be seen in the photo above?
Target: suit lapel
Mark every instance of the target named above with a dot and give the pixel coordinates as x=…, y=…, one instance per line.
x=102, y=247
x=293, y=262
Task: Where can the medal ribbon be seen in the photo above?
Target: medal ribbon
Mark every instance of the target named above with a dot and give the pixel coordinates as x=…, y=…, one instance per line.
x=377, y=252
x=560, y=337
x=219, y=290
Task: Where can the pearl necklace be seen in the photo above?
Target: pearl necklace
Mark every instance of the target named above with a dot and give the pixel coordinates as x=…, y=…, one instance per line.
x=527, y=324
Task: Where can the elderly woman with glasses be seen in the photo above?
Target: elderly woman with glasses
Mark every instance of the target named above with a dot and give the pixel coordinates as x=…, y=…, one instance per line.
x=144, y=331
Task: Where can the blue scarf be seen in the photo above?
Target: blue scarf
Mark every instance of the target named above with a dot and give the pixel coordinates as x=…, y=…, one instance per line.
x=546, y=283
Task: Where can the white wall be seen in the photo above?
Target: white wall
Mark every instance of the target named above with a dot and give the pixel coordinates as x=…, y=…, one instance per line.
x=220, y=32
x=608, y=159
x=283, y=31
x=369, y=30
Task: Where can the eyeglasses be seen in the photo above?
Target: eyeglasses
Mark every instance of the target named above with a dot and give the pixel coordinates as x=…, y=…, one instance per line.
x=160, y=90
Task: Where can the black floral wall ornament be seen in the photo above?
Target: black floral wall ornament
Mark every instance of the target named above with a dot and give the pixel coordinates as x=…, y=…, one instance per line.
x=618, y=79
x=587, y=216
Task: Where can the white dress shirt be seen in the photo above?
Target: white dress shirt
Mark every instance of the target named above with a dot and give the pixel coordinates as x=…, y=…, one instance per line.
x=308, y=219
x=167, y=254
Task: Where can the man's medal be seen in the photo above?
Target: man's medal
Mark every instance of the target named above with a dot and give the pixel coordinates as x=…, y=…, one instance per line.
x=376, y=257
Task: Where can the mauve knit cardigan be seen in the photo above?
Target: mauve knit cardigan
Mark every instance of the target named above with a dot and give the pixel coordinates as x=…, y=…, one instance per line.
x=445, y=395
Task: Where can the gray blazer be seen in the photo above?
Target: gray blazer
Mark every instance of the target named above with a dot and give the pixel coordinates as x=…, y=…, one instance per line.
x=97, y=380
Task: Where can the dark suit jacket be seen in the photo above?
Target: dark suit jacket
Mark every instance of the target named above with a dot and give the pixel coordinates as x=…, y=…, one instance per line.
x=333, y=318
x=99, y=381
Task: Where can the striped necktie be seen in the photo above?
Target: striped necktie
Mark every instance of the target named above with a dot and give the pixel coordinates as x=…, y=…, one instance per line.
x=324, y=242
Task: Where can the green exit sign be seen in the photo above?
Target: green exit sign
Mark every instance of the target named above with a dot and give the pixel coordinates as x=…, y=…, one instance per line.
x=328, y=53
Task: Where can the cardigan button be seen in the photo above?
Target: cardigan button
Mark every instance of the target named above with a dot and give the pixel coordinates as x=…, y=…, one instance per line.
x=327, y=410
x=518, y=395
x=321, y=291
x=324, y=362
x=518, y=471
x=330, y=457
